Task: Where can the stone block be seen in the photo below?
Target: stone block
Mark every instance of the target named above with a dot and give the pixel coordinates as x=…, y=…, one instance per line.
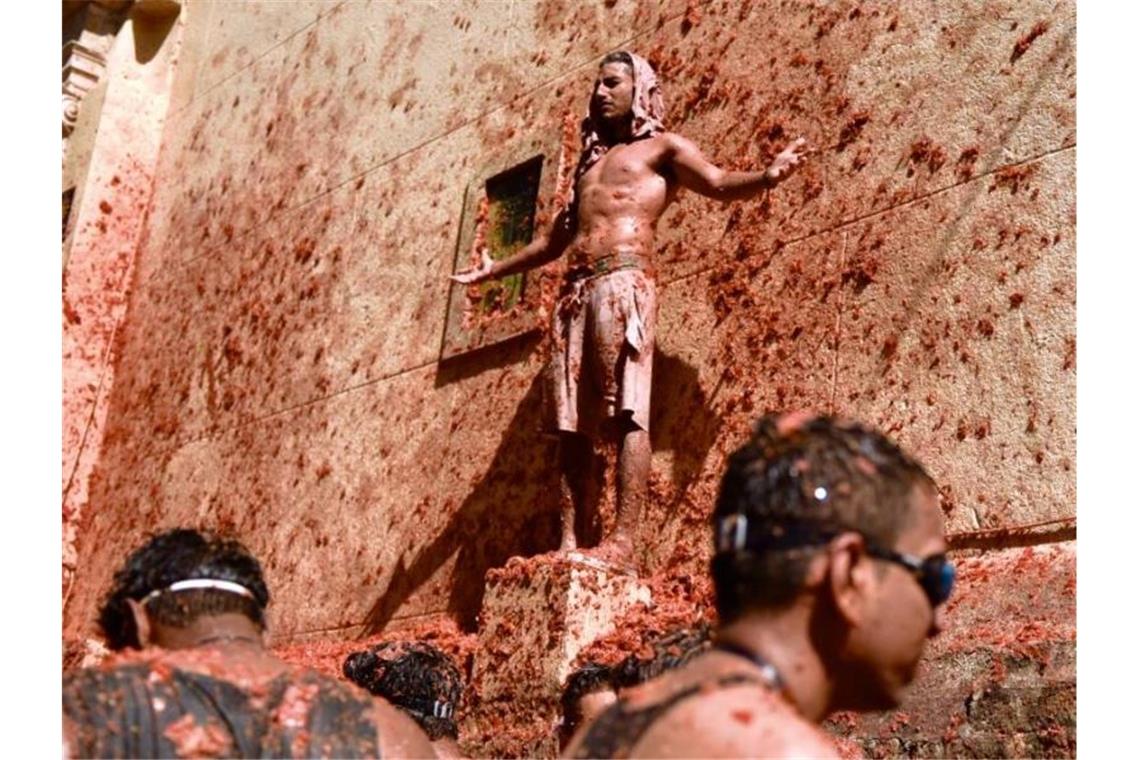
x=539, y=613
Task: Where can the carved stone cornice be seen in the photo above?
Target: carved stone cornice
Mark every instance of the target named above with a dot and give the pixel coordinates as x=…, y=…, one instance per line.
x=82, y=69
x=85, y=56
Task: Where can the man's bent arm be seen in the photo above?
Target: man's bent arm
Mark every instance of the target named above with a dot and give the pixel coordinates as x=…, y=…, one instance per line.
x=543, y=249
x=697, y=173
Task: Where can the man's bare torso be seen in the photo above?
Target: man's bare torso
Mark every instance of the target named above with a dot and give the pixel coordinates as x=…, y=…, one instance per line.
x=620, y=200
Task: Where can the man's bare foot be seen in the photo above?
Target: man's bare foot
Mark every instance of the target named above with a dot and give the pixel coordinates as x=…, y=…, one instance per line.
x=616, y=550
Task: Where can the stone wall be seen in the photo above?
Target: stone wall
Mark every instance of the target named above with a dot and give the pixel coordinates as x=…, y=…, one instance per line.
x=128, y=55
x=278, y=371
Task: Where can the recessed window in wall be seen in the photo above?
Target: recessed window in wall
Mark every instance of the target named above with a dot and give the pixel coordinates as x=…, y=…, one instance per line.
x=505, y=203
x=508, y=226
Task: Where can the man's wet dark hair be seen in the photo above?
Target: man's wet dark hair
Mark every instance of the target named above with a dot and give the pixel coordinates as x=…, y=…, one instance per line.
x=796, y=480
x=670, y=651
x=587, y=679
x=415, y=677
x=179, y=555
x=618, y=56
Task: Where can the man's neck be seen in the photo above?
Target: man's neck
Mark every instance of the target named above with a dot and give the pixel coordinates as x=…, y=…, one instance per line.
x=446, y=747
x=614, y=133
x=783, y=639
x=227, y=629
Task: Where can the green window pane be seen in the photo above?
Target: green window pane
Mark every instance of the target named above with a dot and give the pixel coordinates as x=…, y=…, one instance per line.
x=511, y=200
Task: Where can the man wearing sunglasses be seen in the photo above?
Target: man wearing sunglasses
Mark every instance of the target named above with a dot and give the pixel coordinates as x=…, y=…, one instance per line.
x=829, y=569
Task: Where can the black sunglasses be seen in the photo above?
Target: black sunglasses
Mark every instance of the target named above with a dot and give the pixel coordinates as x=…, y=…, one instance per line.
x=934, y=573
x=734, y=533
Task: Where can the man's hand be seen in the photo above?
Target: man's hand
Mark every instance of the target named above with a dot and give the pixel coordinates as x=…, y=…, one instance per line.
x=476, y=274
x=785, y=163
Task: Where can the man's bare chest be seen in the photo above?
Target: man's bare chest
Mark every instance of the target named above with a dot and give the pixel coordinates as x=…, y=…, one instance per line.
x=627, y=171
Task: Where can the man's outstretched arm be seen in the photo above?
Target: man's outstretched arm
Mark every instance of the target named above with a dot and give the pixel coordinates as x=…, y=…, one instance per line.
x=695, y=172
x=542, y=249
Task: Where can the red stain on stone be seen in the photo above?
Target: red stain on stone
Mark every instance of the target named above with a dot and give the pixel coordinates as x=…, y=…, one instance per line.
x=69, y=312
x=890, y=346
x=1070, y=360
x=1023, y=44
x=851, y=130
x=692, y=16
x=1013, y=177
x=924, y=151
x=965, y=165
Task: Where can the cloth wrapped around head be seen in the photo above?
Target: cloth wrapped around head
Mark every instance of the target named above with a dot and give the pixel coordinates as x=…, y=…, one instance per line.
x=648, y=117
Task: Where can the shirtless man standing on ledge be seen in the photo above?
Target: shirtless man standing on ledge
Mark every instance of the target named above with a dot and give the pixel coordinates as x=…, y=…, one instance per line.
x=601, y=371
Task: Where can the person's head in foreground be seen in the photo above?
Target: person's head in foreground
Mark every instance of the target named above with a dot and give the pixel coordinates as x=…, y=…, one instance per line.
x=672, y=650
x=829, y=568
x=589, y=690
x=415, y=677
x=206, y=686
x=182, y=587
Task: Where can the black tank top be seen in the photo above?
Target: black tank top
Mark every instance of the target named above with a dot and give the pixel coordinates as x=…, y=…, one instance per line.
x=138, y=710
x=618, y=730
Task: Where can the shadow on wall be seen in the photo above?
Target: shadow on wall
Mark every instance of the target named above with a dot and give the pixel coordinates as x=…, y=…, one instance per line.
x=684, y=422
x=929, y=277
x=151, y=32
x=513, y=511
x=509, y=513
x=681, y=419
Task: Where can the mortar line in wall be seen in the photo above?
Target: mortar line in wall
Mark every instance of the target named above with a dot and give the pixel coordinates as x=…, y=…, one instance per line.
x=75, y=468
x=286, y=410
x=290, y=638
x=855, y=220
x=87, y=425
x=1070, y=521
x=288, y=38
x=948, y=188
x=838, y=328
x=384, y=162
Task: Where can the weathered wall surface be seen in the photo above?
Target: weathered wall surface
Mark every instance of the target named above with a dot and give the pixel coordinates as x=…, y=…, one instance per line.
x=110, y=164
x=278, y=372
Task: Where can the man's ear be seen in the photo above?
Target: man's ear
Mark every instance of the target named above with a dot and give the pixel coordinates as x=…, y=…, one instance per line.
x=142, y=622
x=849, y=576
